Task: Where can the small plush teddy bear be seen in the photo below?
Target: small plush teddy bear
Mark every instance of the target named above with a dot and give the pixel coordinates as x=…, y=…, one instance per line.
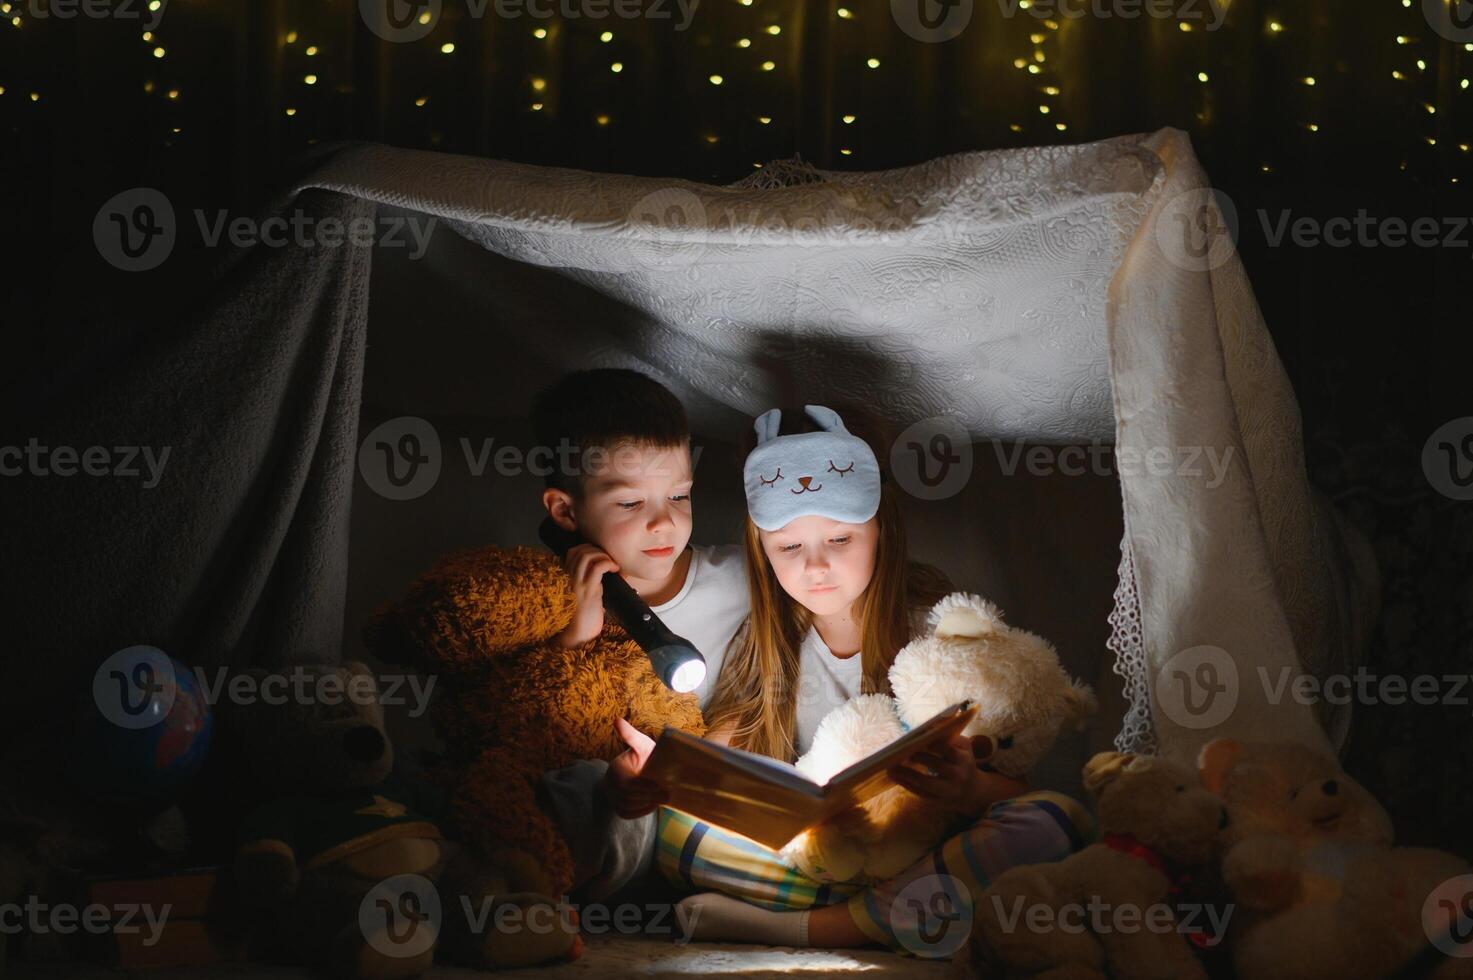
x=1025, y=701
x=1308, y=859
x=1111, y=908
x=339, y=868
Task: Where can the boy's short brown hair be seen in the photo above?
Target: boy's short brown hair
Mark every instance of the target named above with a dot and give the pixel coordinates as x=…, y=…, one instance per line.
x=604, y=408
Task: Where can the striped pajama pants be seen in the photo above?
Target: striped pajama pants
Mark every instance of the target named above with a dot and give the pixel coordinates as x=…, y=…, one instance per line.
x=925, y=911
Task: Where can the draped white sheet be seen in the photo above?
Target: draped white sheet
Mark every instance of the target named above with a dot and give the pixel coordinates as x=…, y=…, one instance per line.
x=1024, y=294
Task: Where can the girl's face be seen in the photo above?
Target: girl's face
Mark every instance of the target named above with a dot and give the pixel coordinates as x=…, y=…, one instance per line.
x=823, y=564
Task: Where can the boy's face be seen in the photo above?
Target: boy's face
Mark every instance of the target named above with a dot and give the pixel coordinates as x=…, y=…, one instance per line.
x=823, y=564
x=635, y=504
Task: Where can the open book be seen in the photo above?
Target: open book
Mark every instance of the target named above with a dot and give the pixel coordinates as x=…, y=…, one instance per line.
x=768, y=800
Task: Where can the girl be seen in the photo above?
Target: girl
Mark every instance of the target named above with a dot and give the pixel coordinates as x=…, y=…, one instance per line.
x=833, y=599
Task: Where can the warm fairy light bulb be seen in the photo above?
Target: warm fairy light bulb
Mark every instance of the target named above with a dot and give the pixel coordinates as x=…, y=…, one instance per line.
x=1201, y=76
x=1034, y=70
x=1274, y=27
x=291, y=37
x=774, y=29
x=540, y=33
x=1464, y=83
x=716, y=79
x=1044, y=109
x=1020, y=62
x=1051, y=90
x=1015, y=127
x=448, y=47
x=1038, y=55
x=1403, y=39
x=764, y=120
x=1184, y=27
x=539, y=84
x=173, y=93
x=311, y=52
x=1309, y=80
x=616, y=67
x=158, y=52
x=712, y=138
x=1313, y=127
x=848, y=120
x=744, y=42
x=1060, y=127
x=846, y=151
x=425, y=17
x=536, y=107
x=1421, y=64
x=35, y=96
x=147, y=87
x=601, y=119
x=421, y=102
x=147, y=36
x=606, y=36
x=291, y=112
x=1036, y=38
x=769, y=65
x=845, y=13
x=310, y=79
x=1431, y=109
x=873, y=62
x=1399, y=76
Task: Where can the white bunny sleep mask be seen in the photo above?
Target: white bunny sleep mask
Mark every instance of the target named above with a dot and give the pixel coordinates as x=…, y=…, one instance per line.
x=830, y=473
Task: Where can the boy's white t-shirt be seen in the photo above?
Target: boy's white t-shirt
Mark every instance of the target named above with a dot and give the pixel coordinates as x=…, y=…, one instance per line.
x=710, y=607
x=826, y=681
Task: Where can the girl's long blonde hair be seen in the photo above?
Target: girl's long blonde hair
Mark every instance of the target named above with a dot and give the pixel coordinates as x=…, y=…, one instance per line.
x=755, y=693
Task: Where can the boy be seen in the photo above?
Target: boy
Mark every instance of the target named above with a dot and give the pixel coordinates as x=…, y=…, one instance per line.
x=628, y=493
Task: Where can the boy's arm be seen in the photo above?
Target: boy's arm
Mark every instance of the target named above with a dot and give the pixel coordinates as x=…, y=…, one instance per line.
x=472, y=606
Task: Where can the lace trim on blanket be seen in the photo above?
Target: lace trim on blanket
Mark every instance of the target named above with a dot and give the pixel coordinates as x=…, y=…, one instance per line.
x=1137, y=732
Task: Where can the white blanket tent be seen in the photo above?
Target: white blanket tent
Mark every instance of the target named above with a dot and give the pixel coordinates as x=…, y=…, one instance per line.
x=1031, y=294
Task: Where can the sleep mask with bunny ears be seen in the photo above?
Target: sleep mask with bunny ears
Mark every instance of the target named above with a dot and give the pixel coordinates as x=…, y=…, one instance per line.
x=831, y=472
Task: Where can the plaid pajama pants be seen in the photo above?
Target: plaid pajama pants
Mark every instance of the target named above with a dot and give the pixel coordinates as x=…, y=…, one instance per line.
x=925, y=911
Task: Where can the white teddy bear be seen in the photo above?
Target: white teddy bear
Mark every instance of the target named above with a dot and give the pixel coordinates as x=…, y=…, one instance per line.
x=1025, y=701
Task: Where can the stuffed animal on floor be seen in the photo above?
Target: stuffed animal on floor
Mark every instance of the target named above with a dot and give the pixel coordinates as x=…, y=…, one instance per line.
x=1309, y=861
x=510, y=703
x=1067, y=919
x=1025, y=701
x=338, y=867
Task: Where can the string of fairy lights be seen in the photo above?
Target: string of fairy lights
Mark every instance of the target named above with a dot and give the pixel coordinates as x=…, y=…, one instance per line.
x=1418, y=49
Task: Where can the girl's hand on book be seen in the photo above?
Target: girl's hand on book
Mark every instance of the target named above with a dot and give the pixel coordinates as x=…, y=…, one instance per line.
x=586, y=565
x=633, y=796
x=958, y=781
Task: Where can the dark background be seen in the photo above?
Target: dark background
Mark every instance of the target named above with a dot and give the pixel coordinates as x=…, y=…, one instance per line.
x=1373, y=338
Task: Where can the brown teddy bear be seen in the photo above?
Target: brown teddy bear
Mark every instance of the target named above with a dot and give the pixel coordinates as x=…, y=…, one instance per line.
x=1309, y=861
x=1110, y=909
x=1025, y=702
x=342, y=869
x=511, y=703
